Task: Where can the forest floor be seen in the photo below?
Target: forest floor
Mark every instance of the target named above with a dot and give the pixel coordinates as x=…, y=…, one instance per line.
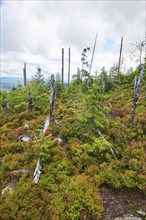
x=121, y=202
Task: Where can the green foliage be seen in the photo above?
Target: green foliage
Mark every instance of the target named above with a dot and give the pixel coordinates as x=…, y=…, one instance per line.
x=38, y=77
x=73, y=169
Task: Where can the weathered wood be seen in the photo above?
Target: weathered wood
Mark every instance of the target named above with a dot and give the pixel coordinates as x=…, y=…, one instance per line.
x=112, y=151
x=22, y=171
x=47, y=123
x=37, y=171
x=137, y=83
x=120, y=55
x=30, y=105
x=69, y=66
x=103, y=88
x=62, y=69
x=24, y=74
x=52, y=98
x=93, y=52
x=5, y=106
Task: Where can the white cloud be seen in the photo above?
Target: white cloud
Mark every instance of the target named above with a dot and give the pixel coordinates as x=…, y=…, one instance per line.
x=35, y=32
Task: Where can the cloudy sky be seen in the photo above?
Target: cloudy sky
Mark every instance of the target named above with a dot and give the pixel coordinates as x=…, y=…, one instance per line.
x=35, y=31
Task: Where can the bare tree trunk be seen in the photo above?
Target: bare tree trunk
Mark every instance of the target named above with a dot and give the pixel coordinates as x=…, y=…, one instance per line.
x=93, y=52
x=5, y=107
x=62, y=70
x=30, y=105
x=103, y=89
x=137, y=83
x=24, y=74
x=120, y=57
x=37, y=171
x=69, y=66
x=52, y=98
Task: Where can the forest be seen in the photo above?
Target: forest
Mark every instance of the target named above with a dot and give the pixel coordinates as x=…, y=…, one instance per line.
x=64, y=146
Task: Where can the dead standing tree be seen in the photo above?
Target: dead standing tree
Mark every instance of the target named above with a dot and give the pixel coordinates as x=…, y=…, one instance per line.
x=103, y=87
x=62, y=69
x=137, y=83
x=24, y=74
x=5, y=106
x=140, y=46
x=30, y=105
x=52, y=98
x=69, y=66
x=120, y=55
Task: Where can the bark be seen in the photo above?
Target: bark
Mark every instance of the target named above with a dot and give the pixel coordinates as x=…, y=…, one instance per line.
x=37, y=171
x=47, y=122
x=24, y=74
x=62, y=69
x=93, y=52
x=69, y=66
x=103, y=89
x=120, y=55
x=137, y=83
x=5, y=107
x=22, y=171
x=52, y=98
x=30, y=105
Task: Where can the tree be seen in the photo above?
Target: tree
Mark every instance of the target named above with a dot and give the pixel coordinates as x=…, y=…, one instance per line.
x=84, y=61
x=140, y=46
x=137, y=83
x=58, y=85
x=38, y=77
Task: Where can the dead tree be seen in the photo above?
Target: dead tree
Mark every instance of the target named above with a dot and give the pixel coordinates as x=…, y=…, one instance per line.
x=140, y=46
x=37, y=171
x=24, y=74
x=62, y=69
x=93, y=52
x=103, y=87
x=52, y=98
x=47, y=123
x=30, y=105
x=5, y=106
x=137, y=83
x=69, y=66
x=120, y=55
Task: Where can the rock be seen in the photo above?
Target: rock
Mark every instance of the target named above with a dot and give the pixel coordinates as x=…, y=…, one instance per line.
x=140, y=212
x=128, y=218
x=24, y=138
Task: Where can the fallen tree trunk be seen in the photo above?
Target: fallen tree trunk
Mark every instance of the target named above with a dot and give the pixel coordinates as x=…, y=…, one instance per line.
x=112, y=151
x=22, y=171
x=47, y=123
x=37, y=171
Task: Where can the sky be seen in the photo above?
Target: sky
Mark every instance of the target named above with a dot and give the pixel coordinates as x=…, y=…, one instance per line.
x=35, y=31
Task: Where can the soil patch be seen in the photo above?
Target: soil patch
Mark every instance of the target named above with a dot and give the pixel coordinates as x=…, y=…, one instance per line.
x=121, y=202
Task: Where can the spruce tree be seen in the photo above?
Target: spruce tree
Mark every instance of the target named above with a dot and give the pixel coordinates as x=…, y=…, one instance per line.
x=39, y=77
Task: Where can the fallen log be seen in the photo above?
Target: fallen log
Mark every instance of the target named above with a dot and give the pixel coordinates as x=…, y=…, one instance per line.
x=37, y=171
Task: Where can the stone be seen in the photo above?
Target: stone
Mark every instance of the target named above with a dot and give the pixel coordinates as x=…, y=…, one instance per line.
x=128, y=218
x=140, y=212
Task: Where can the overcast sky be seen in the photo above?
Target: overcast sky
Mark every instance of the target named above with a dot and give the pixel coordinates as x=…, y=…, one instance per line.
x=35, y=32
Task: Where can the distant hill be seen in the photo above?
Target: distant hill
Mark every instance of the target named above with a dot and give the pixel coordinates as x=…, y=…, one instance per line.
x=7, y=83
